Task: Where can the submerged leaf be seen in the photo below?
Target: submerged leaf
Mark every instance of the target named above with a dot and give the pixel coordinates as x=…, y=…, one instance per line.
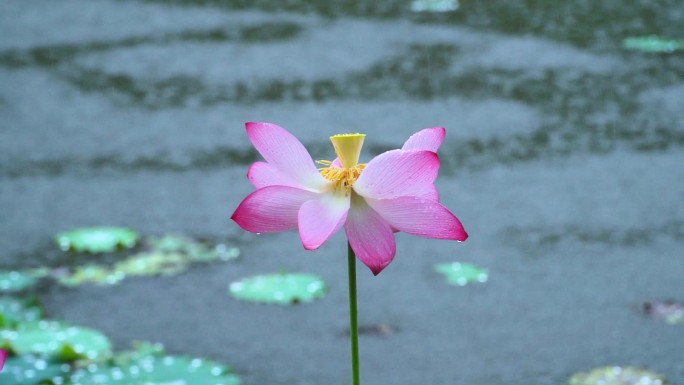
x=194, y=250
x=152, y=264
x=462, y=273
x=670, y=311
x=95, y=274
x=617, y=375
x=97, y=239
x=280, y=289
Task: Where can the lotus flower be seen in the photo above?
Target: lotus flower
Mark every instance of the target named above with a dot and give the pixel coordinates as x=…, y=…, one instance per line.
x=3, y=358
x=394, y=191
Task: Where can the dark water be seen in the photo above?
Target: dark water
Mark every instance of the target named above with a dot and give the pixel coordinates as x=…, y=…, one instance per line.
x=563, y=159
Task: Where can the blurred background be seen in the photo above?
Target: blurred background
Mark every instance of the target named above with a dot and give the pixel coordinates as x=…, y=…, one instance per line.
x=563, y=159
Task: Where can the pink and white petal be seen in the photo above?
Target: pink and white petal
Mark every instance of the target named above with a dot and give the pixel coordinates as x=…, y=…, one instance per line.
x=271, y=209
x=262, y=174
x=321, y=218
x=285, y=152
x=429, y=192
x=336, y=163
x=399, y=173
x=418, y=216
x=428, y=139
x=370, y=236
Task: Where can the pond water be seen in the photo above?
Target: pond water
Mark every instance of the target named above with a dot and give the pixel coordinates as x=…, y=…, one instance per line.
x=563, y=159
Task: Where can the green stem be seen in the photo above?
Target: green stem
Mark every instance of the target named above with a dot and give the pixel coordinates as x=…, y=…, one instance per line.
x=353, y=319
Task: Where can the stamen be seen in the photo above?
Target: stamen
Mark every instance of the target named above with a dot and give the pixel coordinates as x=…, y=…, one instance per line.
x=343, y=178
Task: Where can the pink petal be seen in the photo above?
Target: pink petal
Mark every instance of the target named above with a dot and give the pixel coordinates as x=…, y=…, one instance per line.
x=370, y=236
x=286, y=153
x=271, y=209
x=399, y=173
x=321, y=218
x=428, y=139
x=3, y=358
x=263, y=174
x=418, y=216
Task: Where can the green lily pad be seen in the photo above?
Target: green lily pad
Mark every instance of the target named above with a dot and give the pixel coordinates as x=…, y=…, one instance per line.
x=152, y=264
x=56, y=339
x=156, y=370
x=97, y=239
x=617, y=375
x=280, y=289
x=15, y=311
x=462, y=274
x=195, y=250
x=435, y=6
x=95, y=274
x=652, y=44
x=13, y=281
x=32, y=370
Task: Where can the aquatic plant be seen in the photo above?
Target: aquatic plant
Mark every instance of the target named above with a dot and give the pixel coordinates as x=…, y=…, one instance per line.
x=395, y=191
x=279, y=288
x=97, y=239
x=462, y=274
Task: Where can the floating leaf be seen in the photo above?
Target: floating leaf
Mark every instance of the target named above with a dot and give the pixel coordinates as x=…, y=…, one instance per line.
x=617, y=375
x=57, y=339
x=95, y=274
x=462, y=273
x=670, y=311
x=195, y=250
x=652, y=44
x=156, y=370
x=97, y=239
x=32, y=370
x=435, y=6
x=152, y=264
x=219, y=252
x=279, y=288
x=15, y=311
x=13, y=281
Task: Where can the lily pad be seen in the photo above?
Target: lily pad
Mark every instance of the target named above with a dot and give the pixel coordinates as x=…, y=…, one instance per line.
x=56, y=339
x=97, y=239
x=617, y=375
x=32, y=370
x=156, y=370
x=280, y=289
x=152, y=264
x=14, y=311
x=462, y=274
x=436, y=6
x=195, y=250
x=95, y=274
x=13, y=281
x=652, y=44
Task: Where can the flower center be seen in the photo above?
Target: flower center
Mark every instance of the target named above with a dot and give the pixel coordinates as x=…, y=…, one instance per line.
x=343, y=178
x=348, y=149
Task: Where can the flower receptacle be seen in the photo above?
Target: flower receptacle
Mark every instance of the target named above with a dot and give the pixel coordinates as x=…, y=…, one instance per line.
x=348, y=148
